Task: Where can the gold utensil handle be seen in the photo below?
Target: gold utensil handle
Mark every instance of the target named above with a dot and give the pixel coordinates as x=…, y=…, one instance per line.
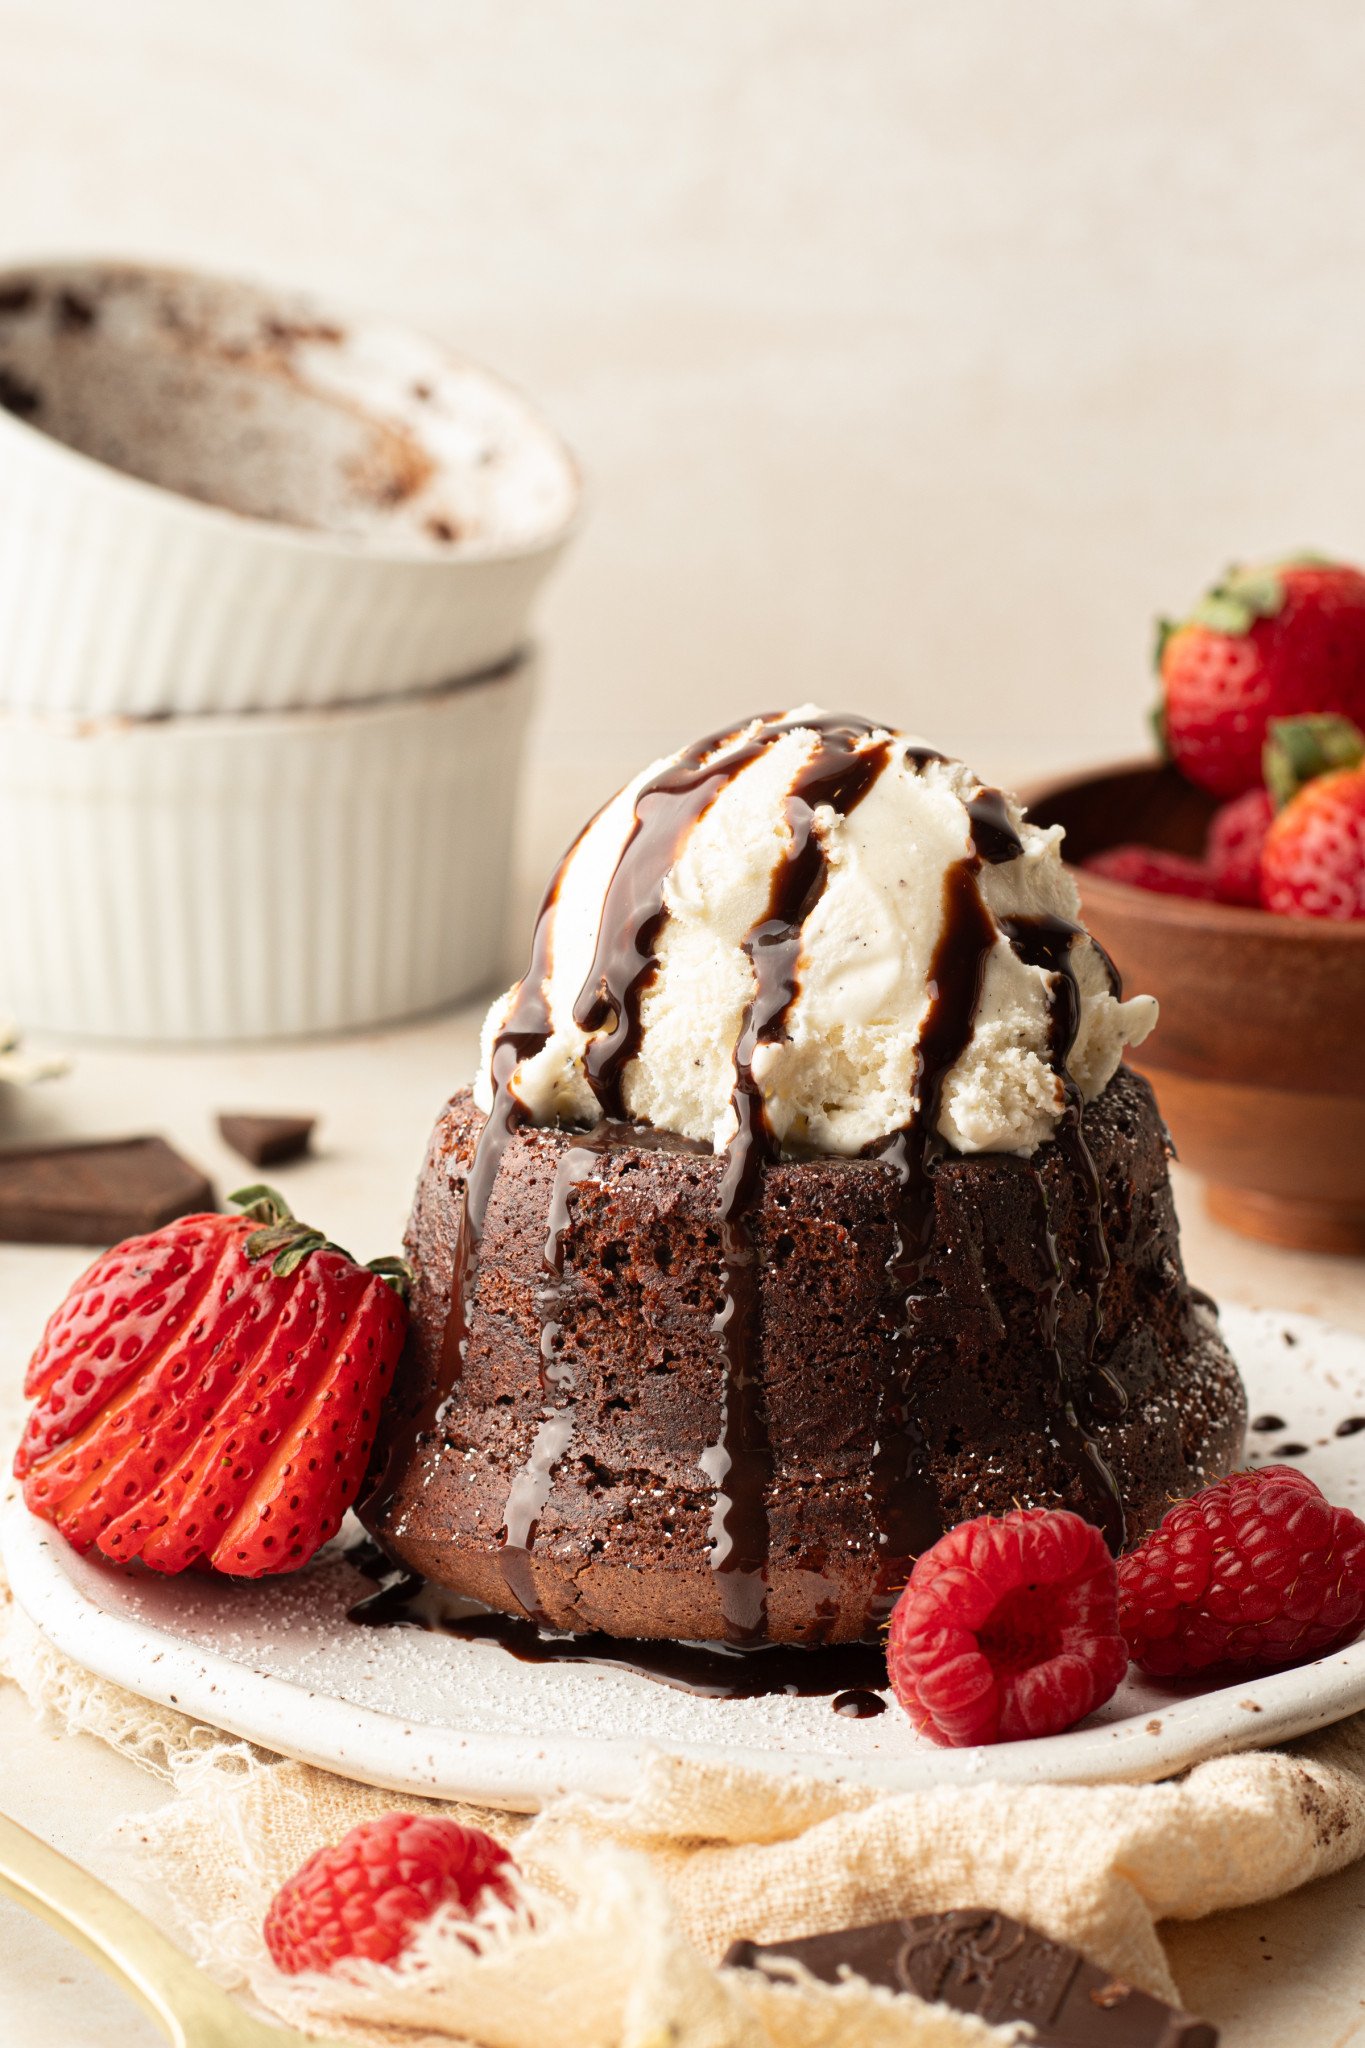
x=191, y=2008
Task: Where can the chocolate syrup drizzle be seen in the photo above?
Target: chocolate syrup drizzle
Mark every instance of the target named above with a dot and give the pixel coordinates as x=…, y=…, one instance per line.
x=739, y=1464
x=531, y=1488
x=609, y=1006
x=994, y=837
x=1078, y=1400
x=904, y=1505
x=840, y=772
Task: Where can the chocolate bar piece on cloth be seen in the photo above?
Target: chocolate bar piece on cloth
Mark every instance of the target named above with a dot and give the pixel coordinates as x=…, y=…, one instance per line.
x=981, y=1962
x=96, y=1194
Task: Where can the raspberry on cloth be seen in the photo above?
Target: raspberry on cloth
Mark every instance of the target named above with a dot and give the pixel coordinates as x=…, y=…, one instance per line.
x=367, y=1894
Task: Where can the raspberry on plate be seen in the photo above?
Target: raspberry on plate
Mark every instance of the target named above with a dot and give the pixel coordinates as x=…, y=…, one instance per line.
x=1151, y=867
x=1251, y=1575
x=366, y=1894
x=1008, y=1628
x=208, y=1394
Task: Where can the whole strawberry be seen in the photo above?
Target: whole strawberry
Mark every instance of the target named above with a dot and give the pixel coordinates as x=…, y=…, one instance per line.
x=1154, y=869
x=1255, y=1573
x=1008, y=1628
x=1265, y=643
x=1232, y=853
x=367, y=1894
x=208, y=1395
x=1313, y=859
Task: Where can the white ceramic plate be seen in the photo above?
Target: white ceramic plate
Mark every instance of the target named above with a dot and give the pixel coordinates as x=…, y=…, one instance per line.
x=278, y=1662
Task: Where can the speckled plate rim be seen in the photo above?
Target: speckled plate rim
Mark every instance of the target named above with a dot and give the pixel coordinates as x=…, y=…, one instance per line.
x=70, y=1600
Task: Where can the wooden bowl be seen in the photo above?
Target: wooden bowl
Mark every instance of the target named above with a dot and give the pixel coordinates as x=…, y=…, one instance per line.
x=1259, y=1058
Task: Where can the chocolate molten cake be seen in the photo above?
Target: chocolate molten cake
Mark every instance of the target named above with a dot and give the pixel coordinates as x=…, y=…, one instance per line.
x=802, y=1208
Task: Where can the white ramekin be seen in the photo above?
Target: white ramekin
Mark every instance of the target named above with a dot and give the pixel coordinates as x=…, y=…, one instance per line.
x=253, y=877
x=350, y=452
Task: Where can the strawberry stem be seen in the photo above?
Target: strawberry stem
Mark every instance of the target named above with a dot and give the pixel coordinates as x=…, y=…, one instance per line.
x=1236, y=602
x=1298, y=750
x=1156, y=718
x=262, y=1204
x=287, y=1242
x=395, y=1273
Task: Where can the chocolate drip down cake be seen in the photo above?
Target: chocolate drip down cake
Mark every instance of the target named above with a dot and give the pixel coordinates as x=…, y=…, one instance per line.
x=801, y=1208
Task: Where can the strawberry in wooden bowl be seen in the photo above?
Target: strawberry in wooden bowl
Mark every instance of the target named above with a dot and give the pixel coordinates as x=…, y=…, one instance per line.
x=1229, y=879
x=207, y=1395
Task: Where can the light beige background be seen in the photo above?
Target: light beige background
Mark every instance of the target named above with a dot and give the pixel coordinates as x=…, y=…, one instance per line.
x=917, y=354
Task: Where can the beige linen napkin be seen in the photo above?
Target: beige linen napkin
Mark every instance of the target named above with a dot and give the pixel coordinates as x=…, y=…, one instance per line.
x=635, y=1901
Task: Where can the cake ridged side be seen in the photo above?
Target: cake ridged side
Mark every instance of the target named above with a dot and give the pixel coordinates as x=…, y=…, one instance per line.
x=621, y=1541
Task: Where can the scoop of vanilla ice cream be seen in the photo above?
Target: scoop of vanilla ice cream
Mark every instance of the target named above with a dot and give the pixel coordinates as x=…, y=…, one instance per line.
x=844, y=1074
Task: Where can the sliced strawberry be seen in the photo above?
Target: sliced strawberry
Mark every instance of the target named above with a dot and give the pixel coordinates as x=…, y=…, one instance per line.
x=123, y=1312
x=234, y=1339
x=211, y=1392
x=322, y=1455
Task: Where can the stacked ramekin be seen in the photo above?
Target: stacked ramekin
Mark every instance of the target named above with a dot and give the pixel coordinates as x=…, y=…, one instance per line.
x=266, y=576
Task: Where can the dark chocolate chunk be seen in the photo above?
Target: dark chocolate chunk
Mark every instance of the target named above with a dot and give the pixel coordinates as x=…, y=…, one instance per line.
x=98, y=1193
x=75, y=314
x=22, y=399
x=268, y=1140
x=981, y=1962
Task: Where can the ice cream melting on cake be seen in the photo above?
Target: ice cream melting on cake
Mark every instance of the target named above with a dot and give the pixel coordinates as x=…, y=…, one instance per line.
x=807, y=934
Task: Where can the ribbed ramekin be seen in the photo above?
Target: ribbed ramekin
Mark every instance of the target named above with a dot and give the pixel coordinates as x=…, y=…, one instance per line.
x=394, y=509
x=231, y=878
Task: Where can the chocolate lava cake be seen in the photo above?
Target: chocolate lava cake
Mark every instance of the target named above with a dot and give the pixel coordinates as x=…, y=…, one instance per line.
x=600, y=1275
x=802, y=1209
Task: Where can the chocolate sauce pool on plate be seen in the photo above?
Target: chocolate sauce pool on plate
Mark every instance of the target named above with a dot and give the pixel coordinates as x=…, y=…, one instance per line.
x=858, y=1704
x=847, y=1672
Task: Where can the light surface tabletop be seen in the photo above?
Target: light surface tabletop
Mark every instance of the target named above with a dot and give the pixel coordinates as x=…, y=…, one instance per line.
x=1294, y=1969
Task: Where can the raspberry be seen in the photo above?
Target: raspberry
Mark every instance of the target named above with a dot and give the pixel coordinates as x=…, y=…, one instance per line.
x=1008, y=1628
x=1150, y=867
x=1233, y=852
x=1252, y=1574
x=364, y=1895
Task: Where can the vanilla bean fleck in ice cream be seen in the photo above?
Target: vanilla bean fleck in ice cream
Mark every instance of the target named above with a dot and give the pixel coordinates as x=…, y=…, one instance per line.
x=845, y=1071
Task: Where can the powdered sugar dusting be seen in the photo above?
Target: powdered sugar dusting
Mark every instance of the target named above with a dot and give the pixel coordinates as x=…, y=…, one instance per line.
x=278, y=1661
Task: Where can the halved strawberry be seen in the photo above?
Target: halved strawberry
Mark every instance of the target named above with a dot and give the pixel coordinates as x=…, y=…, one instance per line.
x=208, y=1395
